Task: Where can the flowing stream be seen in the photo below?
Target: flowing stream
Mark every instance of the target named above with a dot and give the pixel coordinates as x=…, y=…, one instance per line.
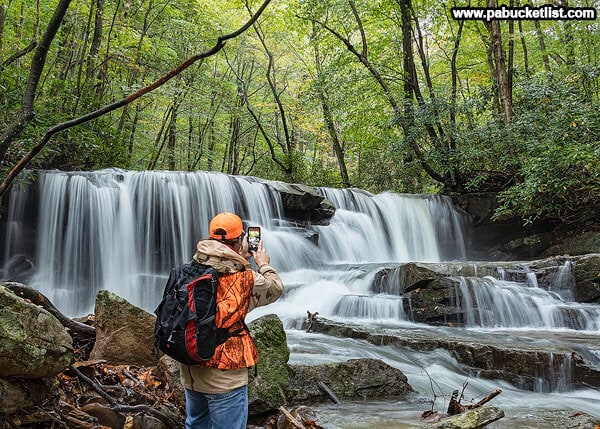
x=122, y=231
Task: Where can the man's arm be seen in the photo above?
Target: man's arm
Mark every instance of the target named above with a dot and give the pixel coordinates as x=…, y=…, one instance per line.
x=268, y=286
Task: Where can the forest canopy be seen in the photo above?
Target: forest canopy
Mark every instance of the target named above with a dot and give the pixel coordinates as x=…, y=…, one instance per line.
x=381, y=95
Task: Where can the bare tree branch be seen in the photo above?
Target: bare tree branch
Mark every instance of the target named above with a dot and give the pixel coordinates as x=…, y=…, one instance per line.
x=219, y=44
x=18, y=54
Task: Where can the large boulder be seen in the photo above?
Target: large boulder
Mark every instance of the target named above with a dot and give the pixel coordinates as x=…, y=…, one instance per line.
x=124, y=332
x=356, y=379
x=33, y=343
x=577, y=244
x=304, y=203
x=267, y=389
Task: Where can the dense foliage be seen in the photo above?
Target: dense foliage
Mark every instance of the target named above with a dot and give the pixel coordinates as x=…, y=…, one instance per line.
x=381, y=95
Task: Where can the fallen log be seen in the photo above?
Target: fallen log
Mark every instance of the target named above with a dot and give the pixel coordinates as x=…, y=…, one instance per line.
x=470, y=419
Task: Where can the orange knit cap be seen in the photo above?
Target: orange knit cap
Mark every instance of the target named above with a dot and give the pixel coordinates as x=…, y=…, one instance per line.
x=225, y=226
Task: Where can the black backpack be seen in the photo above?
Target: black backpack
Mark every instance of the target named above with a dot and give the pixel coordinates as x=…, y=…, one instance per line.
x=185, y=318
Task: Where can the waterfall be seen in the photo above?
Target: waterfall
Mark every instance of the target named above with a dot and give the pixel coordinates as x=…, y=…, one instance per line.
x=123, y=230
x=489, y=302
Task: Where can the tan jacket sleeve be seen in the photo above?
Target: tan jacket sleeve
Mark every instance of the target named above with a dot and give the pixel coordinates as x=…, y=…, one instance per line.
x=268, y=287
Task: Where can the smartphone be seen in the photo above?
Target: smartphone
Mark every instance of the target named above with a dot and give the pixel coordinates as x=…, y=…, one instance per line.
x=253, y=238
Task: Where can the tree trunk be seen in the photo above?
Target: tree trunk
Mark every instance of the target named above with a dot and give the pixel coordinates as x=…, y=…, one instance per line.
x=338, y=146
x=3, y=9
x=173, y=136
x=511, y=50
x=524, y=48
x=96, y=38
x=542, y=43
x=504, y=87
x=567, y=37
x=286, y=142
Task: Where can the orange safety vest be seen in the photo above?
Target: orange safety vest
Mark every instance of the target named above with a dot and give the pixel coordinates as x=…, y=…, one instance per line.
x=233, y=299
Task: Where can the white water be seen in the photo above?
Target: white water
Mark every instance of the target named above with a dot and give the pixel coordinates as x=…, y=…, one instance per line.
x=122, y=231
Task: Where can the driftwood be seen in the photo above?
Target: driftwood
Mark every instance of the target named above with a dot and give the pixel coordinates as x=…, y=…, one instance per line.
x=291, y=418
x=310, y=320
x=455, y=407
x=300, y=417
x=486, y=399
x=325, y=389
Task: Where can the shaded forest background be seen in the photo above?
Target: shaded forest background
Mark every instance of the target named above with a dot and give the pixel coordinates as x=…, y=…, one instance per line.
x=380, y=95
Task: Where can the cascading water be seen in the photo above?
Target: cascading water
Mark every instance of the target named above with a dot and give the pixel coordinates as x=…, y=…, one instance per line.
x=123, y=230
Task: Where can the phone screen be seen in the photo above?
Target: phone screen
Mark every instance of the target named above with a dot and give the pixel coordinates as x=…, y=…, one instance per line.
x=253, y=237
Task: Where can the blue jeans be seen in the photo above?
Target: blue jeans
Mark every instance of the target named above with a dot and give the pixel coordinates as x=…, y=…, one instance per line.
x=216, y=411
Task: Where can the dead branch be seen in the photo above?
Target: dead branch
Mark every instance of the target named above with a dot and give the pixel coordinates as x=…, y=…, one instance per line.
x=486, y=399
x=19, y=54
x=132, y=378
x=291, y=418
x=120, y=408
x=219, y=44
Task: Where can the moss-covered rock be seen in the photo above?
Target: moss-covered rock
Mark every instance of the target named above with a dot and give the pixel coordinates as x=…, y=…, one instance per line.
x=33, y=343
x=267, y=388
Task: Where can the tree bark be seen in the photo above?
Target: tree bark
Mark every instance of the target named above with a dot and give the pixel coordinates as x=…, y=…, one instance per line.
x=96, y=39
x=524, y=48
x=542, y=43
x=338, y=146
x=3, y=9
x=504, y=87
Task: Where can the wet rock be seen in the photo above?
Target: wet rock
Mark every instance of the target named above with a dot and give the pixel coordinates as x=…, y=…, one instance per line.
x=582, y=243
x=19, y=269
x=353, y=379
x=432, y=292
x=587, y=278
x=528, y=368
x=304, y=203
